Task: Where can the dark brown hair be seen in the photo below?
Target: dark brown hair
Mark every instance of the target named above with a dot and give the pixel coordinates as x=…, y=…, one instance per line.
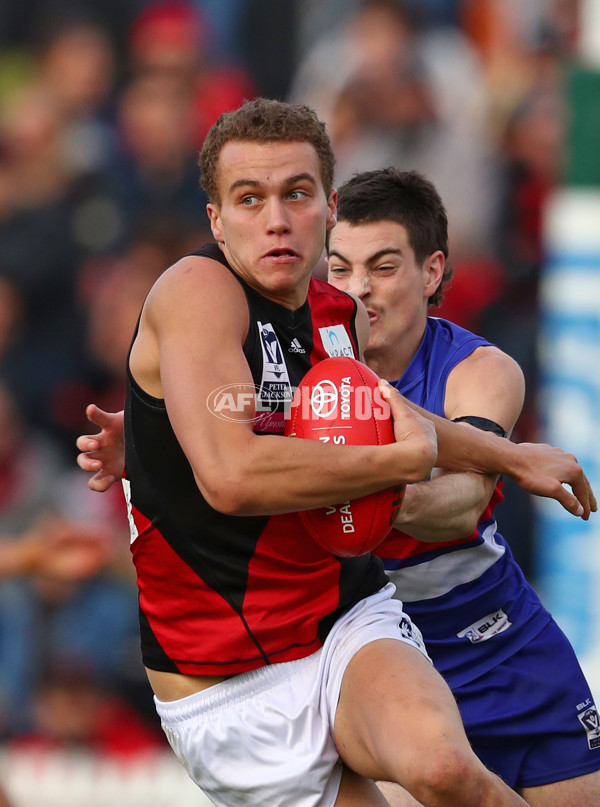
x=407, y=198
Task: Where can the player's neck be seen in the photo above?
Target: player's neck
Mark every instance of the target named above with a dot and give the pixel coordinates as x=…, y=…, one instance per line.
x=391, y=361
x=390, y=365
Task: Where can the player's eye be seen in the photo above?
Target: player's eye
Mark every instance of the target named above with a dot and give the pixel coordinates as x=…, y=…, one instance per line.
x=249, y=201
x=339, y=270
x=297, y=195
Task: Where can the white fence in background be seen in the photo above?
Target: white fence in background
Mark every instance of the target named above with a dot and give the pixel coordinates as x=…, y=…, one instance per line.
x=42, y=779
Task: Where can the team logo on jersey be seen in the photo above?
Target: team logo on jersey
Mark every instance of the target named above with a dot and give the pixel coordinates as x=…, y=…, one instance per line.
x=486, y=627
x=272, y=355
x=410, y=632
x=336, y=341
x=588, y=717
x=275, y=385
x=295, y=347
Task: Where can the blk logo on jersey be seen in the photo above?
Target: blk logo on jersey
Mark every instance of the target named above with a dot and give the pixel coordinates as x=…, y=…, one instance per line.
x=336, y=341
x=486, y=627
x=591, y=723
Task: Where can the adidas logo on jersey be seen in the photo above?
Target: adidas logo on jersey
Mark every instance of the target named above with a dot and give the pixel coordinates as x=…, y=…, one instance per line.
x=296, y=347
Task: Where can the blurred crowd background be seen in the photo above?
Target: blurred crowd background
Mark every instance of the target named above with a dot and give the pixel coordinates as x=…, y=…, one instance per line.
x=103, y=107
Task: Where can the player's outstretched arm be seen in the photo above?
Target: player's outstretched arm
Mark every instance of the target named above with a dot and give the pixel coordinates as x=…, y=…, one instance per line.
x=538, y=468
x=102, y=454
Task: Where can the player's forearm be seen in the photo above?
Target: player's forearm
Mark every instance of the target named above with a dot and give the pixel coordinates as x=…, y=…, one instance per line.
x=445, y=508
x=538, y=468
x=462, y=448
x=273, y=476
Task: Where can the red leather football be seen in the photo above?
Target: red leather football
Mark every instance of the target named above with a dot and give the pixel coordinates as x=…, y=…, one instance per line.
x=338, y=401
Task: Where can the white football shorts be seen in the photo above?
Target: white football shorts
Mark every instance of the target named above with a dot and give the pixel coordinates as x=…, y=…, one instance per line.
x=265, y=737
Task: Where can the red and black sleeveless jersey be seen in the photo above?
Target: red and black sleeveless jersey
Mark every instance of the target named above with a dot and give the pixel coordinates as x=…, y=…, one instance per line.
x=223, y=594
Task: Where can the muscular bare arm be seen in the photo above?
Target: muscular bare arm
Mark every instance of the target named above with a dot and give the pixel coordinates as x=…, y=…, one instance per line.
x=445, y=508
x=538, y=468
x=488, y=384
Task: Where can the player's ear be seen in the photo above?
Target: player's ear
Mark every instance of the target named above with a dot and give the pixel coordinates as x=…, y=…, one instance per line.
x=215, y=222
x=434, y=271
x=332, y=210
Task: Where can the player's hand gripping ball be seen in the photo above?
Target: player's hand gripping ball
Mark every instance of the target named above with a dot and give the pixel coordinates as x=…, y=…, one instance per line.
x=338, y=401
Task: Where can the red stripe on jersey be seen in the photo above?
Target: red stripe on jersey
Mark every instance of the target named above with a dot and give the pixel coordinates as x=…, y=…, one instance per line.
x=286, y=561
x=192, y=609
x=330, y=306
x=400, y=545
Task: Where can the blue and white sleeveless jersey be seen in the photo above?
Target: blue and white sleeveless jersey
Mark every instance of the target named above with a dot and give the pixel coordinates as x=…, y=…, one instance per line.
x=468, y=597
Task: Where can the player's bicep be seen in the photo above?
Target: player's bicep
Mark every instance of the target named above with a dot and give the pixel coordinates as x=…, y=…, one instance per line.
x=488, y=384
x=200, y=331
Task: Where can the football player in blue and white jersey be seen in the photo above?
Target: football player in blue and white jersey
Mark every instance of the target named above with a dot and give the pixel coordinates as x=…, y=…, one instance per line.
x=526, y=706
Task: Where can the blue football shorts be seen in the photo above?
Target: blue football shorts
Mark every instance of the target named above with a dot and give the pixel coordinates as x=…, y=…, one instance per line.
x=532, y=719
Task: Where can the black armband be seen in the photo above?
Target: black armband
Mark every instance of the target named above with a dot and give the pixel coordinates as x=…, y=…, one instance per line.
x=482, y=423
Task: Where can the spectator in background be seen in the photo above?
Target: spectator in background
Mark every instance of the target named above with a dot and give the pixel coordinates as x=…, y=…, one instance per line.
x=156, y=177
x=170, y=38
x=55, y=144
x=38, y=253
x=75, y=614
x=111, y=290
x=389, y=91
x=57, y=549
x=531, y=148
x=76, y=69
